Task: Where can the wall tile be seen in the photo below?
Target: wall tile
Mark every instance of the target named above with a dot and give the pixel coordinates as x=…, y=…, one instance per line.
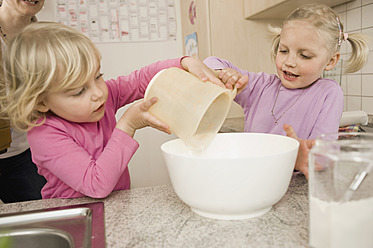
x=353, y=103
x=367, y=105
x=354, y=85
x=369, y=32
x=365, y=2
x=367, y=17
x=353, y=20
x=367, y=85
x=353, y=4
x=368, y=68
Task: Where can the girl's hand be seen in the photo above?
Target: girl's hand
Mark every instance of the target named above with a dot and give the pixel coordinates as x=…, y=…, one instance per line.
x=232, y=78
x=305, y=146
x=200, y=70
x=137, y=116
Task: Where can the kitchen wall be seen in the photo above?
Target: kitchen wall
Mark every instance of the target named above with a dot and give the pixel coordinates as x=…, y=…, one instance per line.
x=358, y=87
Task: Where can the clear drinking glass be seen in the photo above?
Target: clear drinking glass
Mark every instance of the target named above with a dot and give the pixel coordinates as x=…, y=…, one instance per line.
x=341, y=191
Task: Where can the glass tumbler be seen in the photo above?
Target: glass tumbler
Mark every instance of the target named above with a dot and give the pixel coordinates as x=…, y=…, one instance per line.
x=341, y=191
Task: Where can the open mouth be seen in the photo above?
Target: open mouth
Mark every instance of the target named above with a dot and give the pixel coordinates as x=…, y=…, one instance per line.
x=99, y=109
x=31, y=2
x=290, y=75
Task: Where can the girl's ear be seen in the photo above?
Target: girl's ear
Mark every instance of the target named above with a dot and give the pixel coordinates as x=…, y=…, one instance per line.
x=41, y=107
x=333, y=61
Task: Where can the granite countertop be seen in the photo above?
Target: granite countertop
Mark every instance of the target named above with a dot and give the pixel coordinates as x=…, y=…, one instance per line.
x=156, y=217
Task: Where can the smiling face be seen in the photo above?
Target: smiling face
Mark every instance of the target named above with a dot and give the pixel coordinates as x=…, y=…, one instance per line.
x=26, y=8
x=302, y=55
x=85, y=103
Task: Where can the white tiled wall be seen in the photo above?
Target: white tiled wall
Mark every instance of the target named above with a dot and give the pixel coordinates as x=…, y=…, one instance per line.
x=357, y=17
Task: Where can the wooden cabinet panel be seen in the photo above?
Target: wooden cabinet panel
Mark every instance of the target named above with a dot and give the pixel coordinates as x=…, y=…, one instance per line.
x=279, y=9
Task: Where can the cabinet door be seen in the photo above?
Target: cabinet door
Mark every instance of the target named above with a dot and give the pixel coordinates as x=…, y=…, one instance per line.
x=279, y=9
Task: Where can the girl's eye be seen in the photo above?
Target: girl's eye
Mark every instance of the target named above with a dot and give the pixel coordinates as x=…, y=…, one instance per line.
x=99, y=76
x=80, y=92
x=282, y=51
x=305, y=56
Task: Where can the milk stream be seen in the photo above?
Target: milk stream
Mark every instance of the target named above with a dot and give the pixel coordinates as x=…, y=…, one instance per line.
x=198, y=143
x=339, y=225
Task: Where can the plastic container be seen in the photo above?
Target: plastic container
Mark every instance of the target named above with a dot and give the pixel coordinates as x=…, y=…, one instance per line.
x=194, y=110
x=341, y=191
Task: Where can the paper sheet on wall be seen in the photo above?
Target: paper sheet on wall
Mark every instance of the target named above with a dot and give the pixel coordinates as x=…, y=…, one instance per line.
x=120, y=20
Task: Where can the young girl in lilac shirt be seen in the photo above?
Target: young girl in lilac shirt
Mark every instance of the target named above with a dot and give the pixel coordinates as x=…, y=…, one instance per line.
x=57, y=92
x=297, y=101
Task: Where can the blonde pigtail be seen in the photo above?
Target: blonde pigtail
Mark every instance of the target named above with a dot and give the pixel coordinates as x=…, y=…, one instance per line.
x=359, y=52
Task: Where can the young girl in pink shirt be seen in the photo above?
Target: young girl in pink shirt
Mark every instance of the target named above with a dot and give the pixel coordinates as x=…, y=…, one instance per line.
x=57, y=92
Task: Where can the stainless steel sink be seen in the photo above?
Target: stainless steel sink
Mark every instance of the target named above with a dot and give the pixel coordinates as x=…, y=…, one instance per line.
x=36, y=238
x=70, y=226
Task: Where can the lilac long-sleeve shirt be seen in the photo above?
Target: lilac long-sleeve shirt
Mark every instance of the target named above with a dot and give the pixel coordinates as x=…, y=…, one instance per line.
x=318, y=110
x=90, y=159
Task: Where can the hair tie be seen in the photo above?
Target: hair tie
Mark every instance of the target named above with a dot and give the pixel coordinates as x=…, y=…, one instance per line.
x=345, y=36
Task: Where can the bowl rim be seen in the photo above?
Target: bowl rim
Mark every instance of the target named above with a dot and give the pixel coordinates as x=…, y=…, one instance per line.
x=296, y=145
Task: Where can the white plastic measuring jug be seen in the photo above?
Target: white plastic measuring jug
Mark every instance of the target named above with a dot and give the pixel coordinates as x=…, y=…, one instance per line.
x=194, y=110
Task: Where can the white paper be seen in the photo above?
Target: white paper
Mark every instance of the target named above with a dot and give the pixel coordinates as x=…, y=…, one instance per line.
x=120, y=20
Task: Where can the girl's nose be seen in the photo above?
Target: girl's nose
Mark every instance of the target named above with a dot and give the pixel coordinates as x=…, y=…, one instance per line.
x=97, y=93
x=290, y=61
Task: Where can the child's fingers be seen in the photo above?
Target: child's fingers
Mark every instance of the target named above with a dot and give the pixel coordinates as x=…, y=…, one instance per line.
x=158, y=124
x=242, y=81
x=290, y=131
x=210, y=76
x=145, y=105
x=232, y=78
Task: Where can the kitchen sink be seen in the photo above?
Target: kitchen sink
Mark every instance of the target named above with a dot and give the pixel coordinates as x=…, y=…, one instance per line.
x=36, y=238
x=70, y=226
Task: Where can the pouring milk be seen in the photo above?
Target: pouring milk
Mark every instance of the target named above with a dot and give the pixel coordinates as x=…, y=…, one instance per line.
x=194, y=110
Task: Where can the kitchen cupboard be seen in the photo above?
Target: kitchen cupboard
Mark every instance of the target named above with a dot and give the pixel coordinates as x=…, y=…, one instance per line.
x=279, y=9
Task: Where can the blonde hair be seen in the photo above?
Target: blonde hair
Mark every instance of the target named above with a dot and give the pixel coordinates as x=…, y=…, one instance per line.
x=327, y=24
x=45, y=57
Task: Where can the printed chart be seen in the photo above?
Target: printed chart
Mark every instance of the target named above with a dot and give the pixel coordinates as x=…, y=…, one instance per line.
x=120, y=20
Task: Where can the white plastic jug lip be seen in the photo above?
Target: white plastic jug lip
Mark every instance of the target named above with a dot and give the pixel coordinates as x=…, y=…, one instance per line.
x=233, y=91
x=151, y=83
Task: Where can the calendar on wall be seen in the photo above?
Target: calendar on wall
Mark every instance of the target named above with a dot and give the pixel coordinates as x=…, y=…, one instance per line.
x=120, y=20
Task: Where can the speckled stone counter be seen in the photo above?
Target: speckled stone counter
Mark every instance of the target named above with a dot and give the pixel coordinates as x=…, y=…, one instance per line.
x=156, y=217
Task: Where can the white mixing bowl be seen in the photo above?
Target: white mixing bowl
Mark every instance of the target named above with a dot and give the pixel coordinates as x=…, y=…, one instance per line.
x=238, y=176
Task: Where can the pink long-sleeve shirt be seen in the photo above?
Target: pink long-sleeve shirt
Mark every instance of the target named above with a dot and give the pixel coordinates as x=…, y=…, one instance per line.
x=90, y=159
x=318, y=110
